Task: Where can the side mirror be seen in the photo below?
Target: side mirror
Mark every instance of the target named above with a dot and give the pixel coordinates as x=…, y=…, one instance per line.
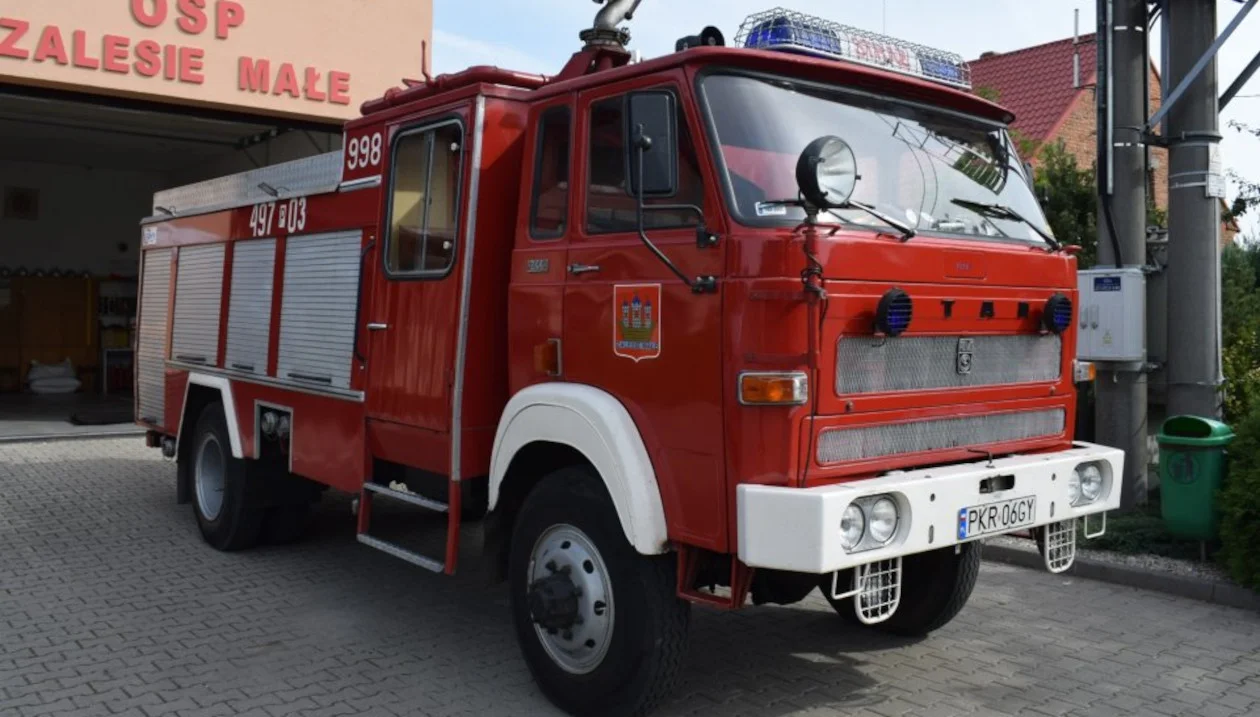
x=652, y=145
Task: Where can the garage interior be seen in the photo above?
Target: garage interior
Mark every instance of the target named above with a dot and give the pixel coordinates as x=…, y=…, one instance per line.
x=77, y=175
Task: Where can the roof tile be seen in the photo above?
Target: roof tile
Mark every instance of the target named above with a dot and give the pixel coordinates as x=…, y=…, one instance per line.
x=1035, y=83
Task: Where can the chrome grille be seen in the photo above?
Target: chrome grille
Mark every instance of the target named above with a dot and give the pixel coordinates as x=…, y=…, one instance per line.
x=866, y=364
x=838, y=445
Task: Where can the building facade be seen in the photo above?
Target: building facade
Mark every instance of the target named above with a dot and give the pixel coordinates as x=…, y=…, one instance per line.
x=1054, y=102
x=104, y=102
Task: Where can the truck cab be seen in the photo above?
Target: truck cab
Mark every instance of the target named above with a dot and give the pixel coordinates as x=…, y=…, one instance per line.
x=739, y=322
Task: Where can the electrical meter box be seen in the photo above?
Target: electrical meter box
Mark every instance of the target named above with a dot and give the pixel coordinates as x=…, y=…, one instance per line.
x=1112, y=315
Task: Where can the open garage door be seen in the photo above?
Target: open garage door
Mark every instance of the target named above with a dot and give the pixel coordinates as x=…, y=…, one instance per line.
x=77, y=174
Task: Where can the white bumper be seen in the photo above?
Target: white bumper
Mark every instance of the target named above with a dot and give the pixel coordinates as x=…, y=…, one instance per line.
x=798, y=529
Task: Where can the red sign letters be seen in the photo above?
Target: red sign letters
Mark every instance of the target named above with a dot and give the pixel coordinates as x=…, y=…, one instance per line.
x=119, y=54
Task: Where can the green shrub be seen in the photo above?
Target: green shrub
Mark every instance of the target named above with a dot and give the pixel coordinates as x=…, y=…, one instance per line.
x=1240, y=504
x=1241, y=392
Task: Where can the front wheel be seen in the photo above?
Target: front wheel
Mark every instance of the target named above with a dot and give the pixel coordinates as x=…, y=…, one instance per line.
x=600, y=626
x=934, y=588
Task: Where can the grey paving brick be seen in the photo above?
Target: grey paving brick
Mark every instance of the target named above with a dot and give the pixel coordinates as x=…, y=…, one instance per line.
x=123, y=610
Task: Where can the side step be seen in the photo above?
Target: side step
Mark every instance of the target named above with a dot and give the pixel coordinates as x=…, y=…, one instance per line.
x=372, y=490
x=402, y=553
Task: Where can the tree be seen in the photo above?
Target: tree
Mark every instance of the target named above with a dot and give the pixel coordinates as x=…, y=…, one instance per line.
x=1069, y=197
x=1248, y=191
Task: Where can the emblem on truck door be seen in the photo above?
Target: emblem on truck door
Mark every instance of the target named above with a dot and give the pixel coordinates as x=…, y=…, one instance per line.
x=637, y=321
x=966, y=350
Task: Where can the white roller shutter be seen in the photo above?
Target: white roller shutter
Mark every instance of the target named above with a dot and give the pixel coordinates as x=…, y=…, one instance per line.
x=198, y=303
x=155, y=290
x=318, y=309
x=249, y=308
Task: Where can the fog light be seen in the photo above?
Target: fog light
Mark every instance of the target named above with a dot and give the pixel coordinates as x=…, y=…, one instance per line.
x=1057, y=314
x=883, y=520
x=852, y=527
x=1074, y=487
x=893, y=313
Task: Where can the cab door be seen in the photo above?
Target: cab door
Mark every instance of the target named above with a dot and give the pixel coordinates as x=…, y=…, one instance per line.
x=631, y=326
x=536, y=296
x=415, y=304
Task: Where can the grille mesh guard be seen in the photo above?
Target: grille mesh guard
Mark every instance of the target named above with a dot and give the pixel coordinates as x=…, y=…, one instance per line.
x=840, y=445
x=865, y=364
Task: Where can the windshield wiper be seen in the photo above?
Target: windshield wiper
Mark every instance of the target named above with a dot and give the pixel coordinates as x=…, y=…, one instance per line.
x=1001, y=211
x=907, y=232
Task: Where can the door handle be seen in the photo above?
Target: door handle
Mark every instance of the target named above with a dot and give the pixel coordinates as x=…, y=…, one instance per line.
x=377, y=327
x=579, y=269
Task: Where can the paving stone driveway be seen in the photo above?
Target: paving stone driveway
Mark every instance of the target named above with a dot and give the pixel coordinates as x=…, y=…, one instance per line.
x=111, y=604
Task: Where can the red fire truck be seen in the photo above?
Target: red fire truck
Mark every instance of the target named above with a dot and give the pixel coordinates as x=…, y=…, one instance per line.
x=736, y=323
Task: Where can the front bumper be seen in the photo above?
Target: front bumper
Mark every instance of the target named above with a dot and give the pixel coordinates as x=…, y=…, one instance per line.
x=798, y=529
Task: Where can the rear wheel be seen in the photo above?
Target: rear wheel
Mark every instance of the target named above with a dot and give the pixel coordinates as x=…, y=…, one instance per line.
x=229, y=508
x=934, y=587
x=600, y=626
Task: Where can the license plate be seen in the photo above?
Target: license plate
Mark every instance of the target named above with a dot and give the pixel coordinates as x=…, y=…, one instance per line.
x=1000, y=517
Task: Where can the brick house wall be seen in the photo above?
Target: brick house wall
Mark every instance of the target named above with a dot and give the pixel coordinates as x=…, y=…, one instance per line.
x=1078, y=131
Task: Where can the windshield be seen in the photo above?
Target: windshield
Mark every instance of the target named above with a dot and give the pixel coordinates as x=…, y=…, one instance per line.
x=912, y=162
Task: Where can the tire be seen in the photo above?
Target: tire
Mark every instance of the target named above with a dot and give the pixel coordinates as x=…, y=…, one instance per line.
x=627, y=664
x=229, y=507
x=934, y=588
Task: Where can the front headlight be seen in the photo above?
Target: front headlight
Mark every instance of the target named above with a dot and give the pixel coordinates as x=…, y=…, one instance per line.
x=1091, y=482
x=1074, y=487
x=1086, y=484
x=883, y=514
x=852, y=527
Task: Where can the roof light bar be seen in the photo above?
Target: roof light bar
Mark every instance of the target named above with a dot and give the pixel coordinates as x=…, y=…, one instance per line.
x=792, y=31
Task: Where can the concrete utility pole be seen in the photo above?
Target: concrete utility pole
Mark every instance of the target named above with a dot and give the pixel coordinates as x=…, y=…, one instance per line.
x=1194, y=218
x=1120, y=411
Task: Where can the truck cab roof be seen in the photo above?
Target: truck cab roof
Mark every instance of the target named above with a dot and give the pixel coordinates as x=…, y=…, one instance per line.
x=530, y=87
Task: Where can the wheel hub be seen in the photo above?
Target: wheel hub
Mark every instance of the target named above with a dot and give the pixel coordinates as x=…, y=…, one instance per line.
x=209, y=476
x=570, y=599
x=553, y=601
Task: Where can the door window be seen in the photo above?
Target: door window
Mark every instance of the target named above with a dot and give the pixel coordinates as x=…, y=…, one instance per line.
x=424, y=206
x=550, y=208
x=609, y=206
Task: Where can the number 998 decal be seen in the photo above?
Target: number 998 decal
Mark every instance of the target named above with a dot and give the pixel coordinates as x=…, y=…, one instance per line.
x=287, y=216
x=365, y=152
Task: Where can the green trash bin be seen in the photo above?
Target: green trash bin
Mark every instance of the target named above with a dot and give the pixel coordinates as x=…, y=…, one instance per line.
x=1191, y=470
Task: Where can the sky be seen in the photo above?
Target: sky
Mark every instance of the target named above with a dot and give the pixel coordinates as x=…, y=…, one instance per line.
x=540, y=35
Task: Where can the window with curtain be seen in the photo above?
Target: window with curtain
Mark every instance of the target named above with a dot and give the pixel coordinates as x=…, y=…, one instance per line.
x=424, y=214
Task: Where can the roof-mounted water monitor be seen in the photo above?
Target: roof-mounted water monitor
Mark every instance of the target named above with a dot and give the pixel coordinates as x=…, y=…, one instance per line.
x=791, y=31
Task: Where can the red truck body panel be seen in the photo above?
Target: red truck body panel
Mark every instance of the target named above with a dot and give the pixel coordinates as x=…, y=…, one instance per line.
x=399, y=404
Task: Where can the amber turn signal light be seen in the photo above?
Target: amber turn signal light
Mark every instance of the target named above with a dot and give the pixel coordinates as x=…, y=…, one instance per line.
x=1084, y=371
x=547, y=360
x=761, y=388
